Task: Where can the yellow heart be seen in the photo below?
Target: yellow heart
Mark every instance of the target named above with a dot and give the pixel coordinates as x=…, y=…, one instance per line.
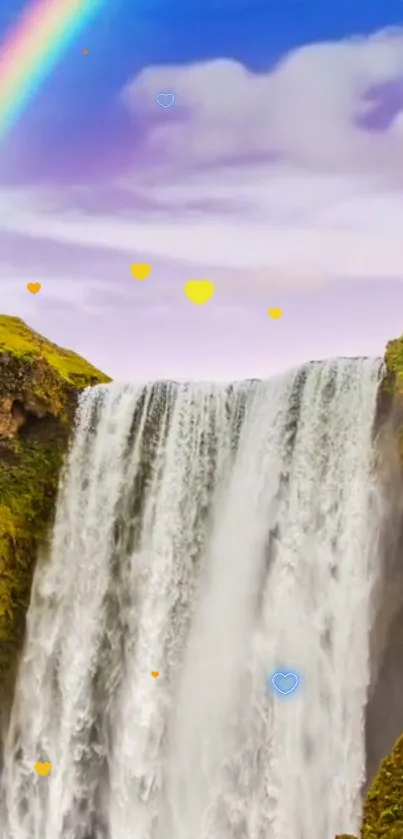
x=43, y=767
x=155, y=674
x=199, y=291
x=140, y=271
x=34, y=287
x=275, y=313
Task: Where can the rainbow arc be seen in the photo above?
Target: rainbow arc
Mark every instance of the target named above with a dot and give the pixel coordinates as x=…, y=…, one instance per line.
x=34, y=47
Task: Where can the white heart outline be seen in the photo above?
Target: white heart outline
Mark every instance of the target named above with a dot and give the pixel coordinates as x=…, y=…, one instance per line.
x=164, y=93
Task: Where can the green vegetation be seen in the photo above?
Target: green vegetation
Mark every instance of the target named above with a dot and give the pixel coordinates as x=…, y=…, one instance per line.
x=394, y=362
x=383, y=806
x=47, y=367
x=383, y=809
x=17, y=338
x=28, y=485
x=39, y=385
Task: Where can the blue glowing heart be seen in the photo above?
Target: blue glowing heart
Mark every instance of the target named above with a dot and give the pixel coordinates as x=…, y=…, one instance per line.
x=285, y=683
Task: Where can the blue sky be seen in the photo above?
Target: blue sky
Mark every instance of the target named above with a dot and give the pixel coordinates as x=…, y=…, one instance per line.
x=278, y=175
x=131, y=34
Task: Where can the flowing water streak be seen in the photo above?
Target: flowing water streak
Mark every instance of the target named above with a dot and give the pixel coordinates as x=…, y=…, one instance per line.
x=214, y=534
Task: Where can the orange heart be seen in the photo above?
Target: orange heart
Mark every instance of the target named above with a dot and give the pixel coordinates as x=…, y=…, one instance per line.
x=34, y=287
x=155, y=674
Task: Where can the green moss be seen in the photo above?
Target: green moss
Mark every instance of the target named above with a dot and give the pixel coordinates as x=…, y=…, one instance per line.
x=45, y=380
x=394, y=364
x=22, y=342
x=390, y=394
x=28, y=485
x=25, y=483
x=383, y=805
x=383, y=808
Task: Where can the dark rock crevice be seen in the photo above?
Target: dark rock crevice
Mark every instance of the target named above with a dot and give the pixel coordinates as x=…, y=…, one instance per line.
x=39, y=425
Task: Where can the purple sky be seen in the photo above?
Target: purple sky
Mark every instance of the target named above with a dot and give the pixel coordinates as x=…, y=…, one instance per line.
x=284, y=187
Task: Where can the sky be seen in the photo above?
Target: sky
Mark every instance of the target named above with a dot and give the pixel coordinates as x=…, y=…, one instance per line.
x=277, y=174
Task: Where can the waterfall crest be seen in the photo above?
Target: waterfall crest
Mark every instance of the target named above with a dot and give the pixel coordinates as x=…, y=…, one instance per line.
x=214, y=534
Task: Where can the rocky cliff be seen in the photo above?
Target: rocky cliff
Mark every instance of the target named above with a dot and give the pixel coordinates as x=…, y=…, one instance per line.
x=39, y=385
x=383, y=807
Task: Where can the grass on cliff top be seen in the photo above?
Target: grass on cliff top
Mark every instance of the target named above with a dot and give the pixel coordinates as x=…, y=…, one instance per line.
x=19, y=340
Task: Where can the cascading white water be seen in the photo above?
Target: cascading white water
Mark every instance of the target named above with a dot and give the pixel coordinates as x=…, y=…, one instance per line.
x=215, y=534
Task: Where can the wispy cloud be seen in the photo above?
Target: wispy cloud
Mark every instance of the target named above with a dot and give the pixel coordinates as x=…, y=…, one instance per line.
x=286, y=182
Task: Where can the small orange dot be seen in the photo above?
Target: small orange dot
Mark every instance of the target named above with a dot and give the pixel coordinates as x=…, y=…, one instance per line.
x=85, y=52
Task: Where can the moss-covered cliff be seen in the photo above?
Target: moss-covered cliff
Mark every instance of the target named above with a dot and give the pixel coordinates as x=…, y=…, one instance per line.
x=394, y=363
x=390, y=397
x=383, y=806
x=39, y=384
x=383, y=809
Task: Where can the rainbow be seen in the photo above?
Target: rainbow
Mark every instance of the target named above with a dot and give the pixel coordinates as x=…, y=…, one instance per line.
x=33, y=48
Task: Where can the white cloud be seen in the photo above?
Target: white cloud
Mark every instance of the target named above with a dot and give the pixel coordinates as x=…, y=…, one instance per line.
x=305, y=110
x=330, y=208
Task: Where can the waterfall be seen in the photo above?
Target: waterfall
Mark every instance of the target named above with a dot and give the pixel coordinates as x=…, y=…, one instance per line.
x=215, y=534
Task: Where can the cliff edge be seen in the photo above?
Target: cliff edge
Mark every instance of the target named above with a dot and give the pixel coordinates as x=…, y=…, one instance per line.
x=383, y=805
x=39, y=386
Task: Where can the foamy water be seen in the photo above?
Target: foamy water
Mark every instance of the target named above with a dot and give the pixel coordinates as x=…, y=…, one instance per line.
x=215, y=534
